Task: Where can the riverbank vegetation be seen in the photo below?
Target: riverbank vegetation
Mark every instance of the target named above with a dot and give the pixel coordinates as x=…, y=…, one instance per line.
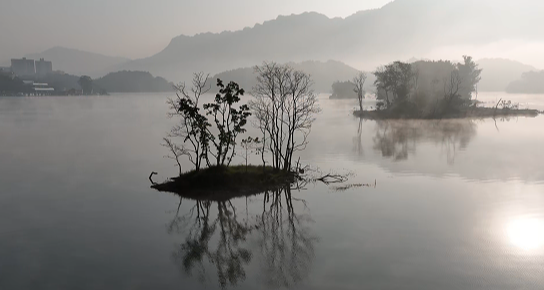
x=432, y=90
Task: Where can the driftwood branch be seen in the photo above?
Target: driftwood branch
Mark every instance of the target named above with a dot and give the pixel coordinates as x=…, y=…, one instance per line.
x=332, y=178
x=151, y=177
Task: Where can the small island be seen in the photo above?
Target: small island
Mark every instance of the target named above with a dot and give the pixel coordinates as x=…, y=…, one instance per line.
x=210, y=133
x=220, y=183
x=433, y=90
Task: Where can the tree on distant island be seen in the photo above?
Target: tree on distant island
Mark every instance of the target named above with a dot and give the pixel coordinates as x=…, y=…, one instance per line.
x=426, y=88
x=343, y=90
x=86, y=84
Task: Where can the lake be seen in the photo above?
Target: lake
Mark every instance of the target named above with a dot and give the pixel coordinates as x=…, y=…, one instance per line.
x=452, y=204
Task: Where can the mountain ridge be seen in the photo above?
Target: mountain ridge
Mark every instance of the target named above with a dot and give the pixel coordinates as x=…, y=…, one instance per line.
x=364, y=39
x=79, y=62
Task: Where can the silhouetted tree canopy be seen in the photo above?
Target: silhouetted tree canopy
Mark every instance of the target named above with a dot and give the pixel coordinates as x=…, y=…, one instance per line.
x=201, y=142
x=427, y=88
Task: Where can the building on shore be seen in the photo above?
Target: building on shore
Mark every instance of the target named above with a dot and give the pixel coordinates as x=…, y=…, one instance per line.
x=28, y=67
x=23, y=67
x=43, y=67
x=38, y=89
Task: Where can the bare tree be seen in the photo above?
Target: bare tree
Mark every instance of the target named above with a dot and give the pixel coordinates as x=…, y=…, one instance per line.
x=176, y=152
x=284, y=105
x=193, y=126
x=359, y=81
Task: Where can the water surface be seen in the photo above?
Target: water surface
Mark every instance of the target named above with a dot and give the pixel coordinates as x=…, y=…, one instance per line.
x=458, y=204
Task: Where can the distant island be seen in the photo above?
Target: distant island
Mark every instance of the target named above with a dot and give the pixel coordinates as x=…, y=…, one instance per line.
x=133, y=82
x=433, y=90
x=498, y=73
x=530, y=83
x=343, y=90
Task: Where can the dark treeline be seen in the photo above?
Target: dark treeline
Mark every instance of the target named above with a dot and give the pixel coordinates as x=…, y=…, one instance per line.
x=530, y=83
x=133, y=81
x=10, y=85
x=66, y=84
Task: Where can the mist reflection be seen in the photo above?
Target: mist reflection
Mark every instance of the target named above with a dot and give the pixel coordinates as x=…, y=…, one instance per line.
x=397, y=139
x=217, y=234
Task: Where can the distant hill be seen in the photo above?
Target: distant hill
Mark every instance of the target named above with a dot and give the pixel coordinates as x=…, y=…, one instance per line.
x=398, y=30
x=497, y=74
x=132, y=82
x=77, y=62
x=324, y=74
x=529, y=83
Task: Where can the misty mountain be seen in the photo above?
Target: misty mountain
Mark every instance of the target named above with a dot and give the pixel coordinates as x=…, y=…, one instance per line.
x=530, y=83
x=133, y=81
x=497, y=74
x=77, y=62
x=398, y=30
x=324, y=74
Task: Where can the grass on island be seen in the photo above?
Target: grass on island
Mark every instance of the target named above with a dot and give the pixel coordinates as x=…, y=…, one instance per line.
x=470, y=112
x=223, y=183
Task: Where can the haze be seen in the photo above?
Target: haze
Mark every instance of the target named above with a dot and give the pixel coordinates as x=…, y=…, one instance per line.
x=137, y=29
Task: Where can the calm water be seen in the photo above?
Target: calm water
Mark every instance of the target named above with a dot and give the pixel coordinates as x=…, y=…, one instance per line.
x=458, y=205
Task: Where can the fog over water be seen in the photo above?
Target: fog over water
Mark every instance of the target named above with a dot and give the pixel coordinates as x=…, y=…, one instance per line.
x=399, y=144
x=457, y=204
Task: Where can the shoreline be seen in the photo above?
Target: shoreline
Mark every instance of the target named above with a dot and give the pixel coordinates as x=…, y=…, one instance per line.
x=474, y=113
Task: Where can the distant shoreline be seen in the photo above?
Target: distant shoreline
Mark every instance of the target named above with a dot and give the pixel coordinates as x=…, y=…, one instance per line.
x=473, y=112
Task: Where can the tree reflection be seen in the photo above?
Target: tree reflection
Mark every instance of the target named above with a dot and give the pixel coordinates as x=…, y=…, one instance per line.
x=228, y=255
x=358, y=140
x=285, y=241
x=398, y=139
x=215, y=235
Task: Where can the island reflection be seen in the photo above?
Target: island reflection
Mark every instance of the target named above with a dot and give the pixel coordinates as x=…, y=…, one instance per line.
x=218, y=234
x=398, y=139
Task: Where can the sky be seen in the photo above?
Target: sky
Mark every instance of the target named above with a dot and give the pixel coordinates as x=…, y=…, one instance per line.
x=140, y=28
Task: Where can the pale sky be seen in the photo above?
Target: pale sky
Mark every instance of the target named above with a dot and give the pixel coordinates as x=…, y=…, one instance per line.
x=140, y=28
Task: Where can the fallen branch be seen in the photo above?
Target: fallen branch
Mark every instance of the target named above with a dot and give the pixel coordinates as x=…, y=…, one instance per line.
x=332, y=178
x=349, y=186
x=151, y=177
